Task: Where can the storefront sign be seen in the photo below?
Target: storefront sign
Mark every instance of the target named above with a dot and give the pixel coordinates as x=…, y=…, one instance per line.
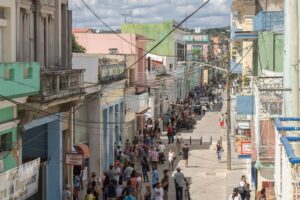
x=20, y=182
x=246, y=148
x=74, y=159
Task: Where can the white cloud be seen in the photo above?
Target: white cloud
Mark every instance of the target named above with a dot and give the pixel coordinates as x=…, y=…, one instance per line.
x=214, y=14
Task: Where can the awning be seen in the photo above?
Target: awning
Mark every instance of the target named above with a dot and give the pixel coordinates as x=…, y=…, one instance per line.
x=242, y=125
x=260, y=165
x=84, y=149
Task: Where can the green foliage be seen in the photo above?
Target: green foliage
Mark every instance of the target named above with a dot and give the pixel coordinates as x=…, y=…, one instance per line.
x=77, y=48
x=246, y=80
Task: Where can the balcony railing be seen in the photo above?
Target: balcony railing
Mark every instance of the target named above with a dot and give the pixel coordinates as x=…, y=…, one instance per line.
x=267, y=153
x=57, y=84
x=111, y=72
x=137, y=103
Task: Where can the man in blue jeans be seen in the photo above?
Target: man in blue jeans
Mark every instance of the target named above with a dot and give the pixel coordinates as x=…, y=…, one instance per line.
x=179, y=183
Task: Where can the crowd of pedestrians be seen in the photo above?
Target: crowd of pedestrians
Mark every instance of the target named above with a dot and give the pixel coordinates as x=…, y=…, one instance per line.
x=134, y=174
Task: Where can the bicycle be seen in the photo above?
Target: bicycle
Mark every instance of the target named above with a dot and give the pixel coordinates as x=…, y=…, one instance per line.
x=187, y=194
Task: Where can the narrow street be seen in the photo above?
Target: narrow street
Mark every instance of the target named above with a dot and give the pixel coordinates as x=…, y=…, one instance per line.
x=210, y=179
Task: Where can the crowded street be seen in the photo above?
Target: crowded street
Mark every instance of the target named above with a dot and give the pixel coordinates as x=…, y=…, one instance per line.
x=148, y=157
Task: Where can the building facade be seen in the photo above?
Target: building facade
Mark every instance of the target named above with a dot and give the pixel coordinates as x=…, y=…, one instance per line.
x=43, y=35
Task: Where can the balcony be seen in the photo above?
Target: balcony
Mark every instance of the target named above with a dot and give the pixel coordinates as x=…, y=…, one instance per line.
x=269, y=21
x=58, y=84
x=111, y=72
x=19, y=79
x=137, y=103
x=244, y=36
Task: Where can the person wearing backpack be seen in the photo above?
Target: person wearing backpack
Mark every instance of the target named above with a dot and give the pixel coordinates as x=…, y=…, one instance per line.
x=110, y=191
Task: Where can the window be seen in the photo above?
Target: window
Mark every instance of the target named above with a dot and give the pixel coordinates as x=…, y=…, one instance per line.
x=2, y=16
x=5, y=142
x=27, y=72
x=9, y=74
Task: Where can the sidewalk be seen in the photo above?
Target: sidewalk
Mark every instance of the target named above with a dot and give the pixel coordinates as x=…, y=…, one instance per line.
x=210, y=179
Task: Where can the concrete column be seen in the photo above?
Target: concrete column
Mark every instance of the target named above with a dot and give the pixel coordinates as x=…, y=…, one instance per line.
x=18, y=30
x=26, y=37
x=46, y=39
x=39, y=44
x=31, y=36
x=57, y=33
x=57, y=83
x=51, y=43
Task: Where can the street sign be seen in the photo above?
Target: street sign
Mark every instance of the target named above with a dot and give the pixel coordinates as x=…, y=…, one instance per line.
x=74, y=159
x=246, y=148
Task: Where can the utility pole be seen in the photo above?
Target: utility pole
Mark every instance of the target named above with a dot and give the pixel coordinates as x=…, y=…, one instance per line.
x=228, y=116
x=295, y=58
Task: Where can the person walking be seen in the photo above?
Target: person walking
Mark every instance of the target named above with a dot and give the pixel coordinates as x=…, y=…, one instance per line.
x=219, y=149
x=170, y=132
x=110, y=190
x=89, y=195
x=165, y=184
x=130, y=195
x=171, y=159
x=147, y=195
x=235, y=195
x=158, y=192
x=242, y=187
x=155, y=177
x=221, y=121
x=154, y=157
x=145, y=169
x=179, y=180
x=179, y=142
x=185, y=154
x=67, y=194
x=128, y=171
x=262, y=194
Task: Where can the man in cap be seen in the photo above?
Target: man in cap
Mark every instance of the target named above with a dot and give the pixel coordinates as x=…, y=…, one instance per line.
x=179, y=183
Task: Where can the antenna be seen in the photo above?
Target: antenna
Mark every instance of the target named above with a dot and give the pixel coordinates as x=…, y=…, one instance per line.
x=125, y=15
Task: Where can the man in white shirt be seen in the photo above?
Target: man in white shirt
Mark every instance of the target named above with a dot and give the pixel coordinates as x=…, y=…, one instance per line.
x=117, y=172
x=158, y=192
x=161, y=148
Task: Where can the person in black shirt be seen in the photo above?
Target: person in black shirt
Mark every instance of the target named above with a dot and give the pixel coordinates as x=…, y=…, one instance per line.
x=185, y=153
x=165, y=184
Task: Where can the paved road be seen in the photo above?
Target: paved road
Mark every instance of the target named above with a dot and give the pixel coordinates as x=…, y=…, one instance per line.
x=210, y=178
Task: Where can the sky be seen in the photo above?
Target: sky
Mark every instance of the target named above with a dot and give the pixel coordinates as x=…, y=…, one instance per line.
x=215, y=14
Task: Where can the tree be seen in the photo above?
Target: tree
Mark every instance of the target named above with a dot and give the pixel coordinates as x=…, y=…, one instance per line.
x=77, y=48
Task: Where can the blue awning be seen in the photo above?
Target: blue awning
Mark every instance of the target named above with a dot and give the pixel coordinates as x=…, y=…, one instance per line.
x=235, y=68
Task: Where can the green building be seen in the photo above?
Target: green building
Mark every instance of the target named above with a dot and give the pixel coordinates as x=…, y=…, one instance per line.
x=17, y=81
x=172, y=47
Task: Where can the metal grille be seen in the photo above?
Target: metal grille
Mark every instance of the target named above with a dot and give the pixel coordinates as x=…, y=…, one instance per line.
x=271, y=94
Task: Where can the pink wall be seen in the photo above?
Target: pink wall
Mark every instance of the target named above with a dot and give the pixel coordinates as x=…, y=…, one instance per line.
x=101, y=43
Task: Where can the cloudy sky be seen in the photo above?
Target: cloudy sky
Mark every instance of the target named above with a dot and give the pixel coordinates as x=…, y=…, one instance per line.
x=214, y=14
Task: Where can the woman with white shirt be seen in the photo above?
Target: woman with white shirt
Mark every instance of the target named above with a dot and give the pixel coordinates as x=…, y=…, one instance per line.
x=171, y=159
x=243, y=181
